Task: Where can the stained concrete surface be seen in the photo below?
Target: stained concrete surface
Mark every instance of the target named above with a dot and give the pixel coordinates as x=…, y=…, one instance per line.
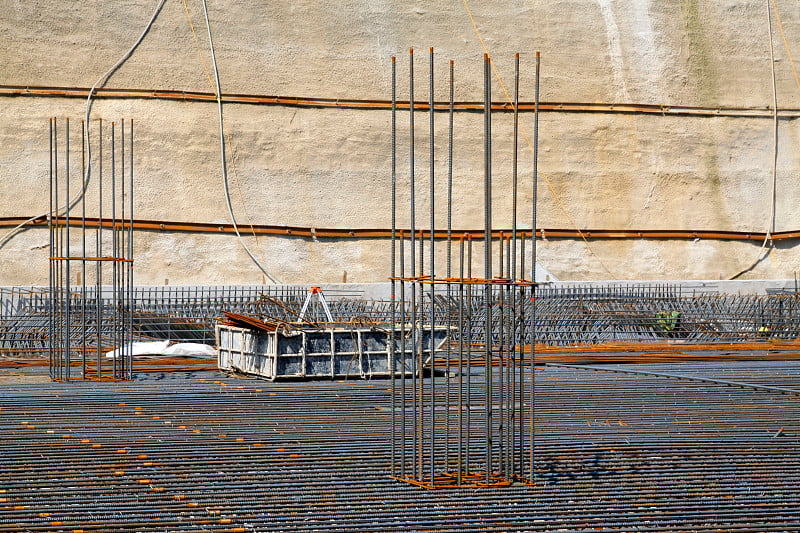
x=330, y=167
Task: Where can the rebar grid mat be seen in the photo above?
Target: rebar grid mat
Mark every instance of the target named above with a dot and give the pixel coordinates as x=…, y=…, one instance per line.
x=175, y=313
x=199, y=451
x=649, y=315
x=564, y=317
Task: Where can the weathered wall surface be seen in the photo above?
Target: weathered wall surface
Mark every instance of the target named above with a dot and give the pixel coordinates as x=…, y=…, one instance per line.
x=330, y=167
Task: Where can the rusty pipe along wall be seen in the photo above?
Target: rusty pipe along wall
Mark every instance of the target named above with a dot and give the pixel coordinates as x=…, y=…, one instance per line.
x=354, y=103
x=439, y=234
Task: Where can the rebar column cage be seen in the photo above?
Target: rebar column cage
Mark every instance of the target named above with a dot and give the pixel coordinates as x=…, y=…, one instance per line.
x=90, y=319
x=464, y=416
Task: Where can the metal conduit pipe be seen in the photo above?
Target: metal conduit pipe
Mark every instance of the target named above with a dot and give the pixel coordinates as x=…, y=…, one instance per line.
x=367, y=233
x=350, y=103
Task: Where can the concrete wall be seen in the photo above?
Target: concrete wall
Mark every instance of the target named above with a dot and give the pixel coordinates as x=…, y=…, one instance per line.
x=330, y=167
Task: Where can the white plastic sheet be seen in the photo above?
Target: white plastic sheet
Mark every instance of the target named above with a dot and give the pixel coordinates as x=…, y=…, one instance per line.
x=190, y=348
x=164, y=348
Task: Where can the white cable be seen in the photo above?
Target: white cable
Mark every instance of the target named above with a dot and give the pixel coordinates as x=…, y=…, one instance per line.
x=104, y=78
x=767, y=245
x=222, y=150
x=771, y=228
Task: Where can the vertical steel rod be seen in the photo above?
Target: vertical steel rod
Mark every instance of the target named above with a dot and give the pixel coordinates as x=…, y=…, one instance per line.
x=533, y=269
x=521, y=338
x=414, y=326
x=58, y=238
x=67, y=249
x=83, y=251
x=52, y=254
x=114, y=254
x=469, y=343
x=403, y=352
x=535, y=166
x=393, y=273
x=513, y=255
x=449, y=273
x=129, y=307
x=99, y=244
x=487, y=257
x=432, y=203
x=461, y=337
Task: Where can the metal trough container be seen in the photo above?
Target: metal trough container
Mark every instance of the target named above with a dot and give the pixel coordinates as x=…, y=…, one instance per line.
x=319, y=353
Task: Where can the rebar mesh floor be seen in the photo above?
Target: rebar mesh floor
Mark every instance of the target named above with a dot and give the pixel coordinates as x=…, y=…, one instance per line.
x=195, y=451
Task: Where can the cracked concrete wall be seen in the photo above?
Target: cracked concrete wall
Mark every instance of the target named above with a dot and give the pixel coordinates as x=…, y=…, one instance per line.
x=330, y=167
